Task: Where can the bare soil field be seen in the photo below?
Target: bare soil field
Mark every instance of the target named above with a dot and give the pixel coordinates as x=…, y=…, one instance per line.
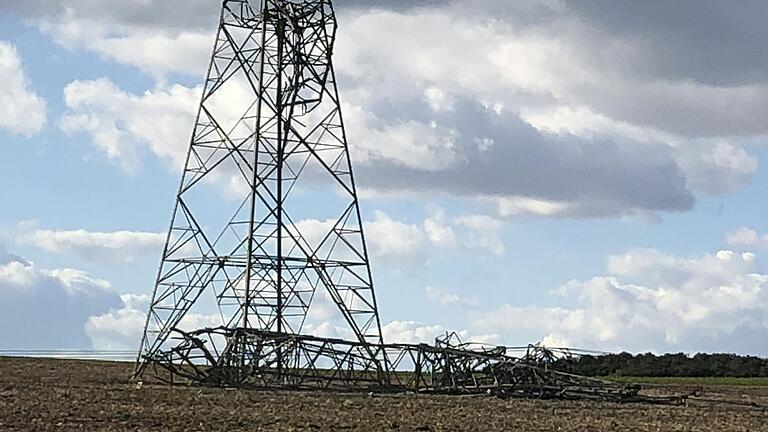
x=60, y=395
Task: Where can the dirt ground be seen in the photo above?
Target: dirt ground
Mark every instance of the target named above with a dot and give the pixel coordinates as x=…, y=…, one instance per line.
x=57, y=395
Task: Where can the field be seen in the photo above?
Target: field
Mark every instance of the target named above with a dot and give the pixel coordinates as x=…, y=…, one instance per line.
x=686, y=381
x=56, y=395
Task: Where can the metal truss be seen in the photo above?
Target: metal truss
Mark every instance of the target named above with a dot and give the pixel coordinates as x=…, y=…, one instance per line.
x=448, y=367
x=271, y=127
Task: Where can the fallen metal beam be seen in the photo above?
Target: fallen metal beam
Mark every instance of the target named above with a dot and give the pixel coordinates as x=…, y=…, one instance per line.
x=249, y=358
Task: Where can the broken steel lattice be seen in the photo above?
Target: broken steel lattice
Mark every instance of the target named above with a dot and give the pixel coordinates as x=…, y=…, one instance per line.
x=270, y=127
x=448, y=367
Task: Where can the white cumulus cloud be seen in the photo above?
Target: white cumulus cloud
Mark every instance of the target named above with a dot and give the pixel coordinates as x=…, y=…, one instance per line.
x=122, y=124
x=652, y=301
x=122, y=246
x=411, y=332
x=388, y=237
x=121, y=327
x=21, y=111
x=747, y=237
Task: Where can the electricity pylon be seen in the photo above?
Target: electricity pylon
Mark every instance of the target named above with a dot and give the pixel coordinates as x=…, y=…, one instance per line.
x=266, y=217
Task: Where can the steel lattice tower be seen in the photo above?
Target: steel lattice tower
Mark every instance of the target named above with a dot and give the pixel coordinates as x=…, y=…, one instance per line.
x=269, y=147
x=269, y=132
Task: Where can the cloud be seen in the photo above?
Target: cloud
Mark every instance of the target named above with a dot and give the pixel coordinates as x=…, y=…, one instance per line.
x=385, y=237
x=120, y=124
x=153, y=36
x=438, y=100
x=185, y=52
x=484, y=232
x=115, y=246
x=48, y=309
x=414, y=332
x=553, y=110
x=564, y=68
x=470, y=232
x=438, y=231
x=420, y=145
x=150, y=14
x=450, y=298
x=22, y=111
x=388, y=237
x=710, y=165
x=746, y=237
x=594, y=178
x=652, y=301
x=121, y=327
x=485, y=104
x=410, y=332
x=122, y=246
x=674, y=29
x=516, y=206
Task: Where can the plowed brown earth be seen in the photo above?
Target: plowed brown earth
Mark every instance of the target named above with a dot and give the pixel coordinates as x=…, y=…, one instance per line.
x=56, y=395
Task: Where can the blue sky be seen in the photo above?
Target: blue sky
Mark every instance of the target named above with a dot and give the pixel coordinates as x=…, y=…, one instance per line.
x=616, y=204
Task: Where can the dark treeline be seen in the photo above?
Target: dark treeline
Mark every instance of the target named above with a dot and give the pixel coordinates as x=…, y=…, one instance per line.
x=667, y=365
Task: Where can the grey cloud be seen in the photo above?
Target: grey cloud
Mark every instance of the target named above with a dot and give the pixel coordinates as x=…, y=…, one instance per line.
x=167, y=15
x=602, y=177
x=8, y=257
x=157, y=14
x=39, y=311
x=389, y=4
x=698, y=69
x=708, y=41
x=682, y=108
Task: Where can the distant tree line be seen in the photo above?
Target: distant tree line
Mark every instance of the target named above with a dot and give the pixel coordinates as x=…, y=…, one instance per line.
x=667, y=365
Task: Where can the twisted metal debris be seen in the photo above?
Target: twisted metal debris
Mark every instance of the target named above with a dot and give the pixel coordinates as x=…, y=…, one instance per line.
x=247, y=358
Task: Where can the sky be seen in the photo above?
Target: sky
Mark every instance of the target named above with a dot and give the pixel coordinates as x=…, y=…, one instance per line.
x=579, y=173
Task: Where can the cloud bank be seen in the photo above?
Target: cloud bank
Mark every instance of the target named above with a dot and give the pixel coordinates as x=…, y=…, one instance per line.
x=542, y=107
x=652, y=301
